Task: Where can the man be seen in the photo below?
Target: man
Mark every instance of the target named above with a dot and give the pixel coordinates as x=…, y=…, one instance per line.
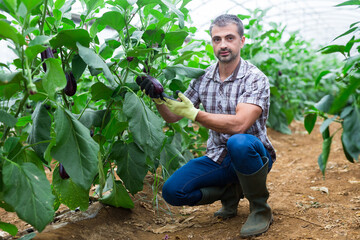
x=235, y=96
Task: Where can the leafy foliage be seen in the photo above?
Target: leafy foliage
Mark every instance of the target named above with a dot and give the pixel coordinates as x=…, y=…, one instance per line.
x=343, y=104
x=107, y=127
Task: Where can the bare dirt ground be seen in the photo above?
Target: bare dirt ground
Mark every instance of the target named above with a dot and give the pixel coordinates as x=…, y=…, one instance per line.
x=305, y=206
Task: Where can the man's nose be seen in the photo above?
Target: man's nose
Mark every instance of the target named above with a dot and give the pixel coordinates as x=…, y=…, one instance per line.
x=223, y=44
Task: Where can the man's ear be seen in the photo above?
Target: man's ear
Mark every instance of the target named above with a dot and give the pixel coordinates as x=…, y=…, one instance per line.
x=242, y=41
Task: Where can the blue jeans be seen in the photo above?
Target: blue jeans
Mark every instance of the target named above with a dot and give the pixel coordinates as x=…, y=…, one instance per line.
x=244, y=155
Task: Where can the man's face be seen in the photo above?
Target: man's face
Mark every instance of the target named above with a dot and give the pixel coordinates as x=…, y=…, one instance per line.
x=227, y=42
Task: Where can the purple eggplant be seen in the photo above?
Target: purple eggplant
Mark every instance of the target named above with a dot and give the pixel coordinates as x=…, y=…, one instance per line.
x=62, y=172
x=151, y=85
x=71, y=85
x=48, y=53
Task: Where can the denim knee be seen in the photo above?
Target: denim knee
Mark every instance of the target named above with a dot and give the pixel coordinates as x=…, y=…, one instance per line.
x=172, y=195
x=237, y=142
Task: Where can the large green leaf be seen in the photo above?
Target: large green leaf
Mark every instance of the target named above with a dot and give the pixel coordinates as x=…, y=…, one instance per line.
x=8, y=119
x=40, y=129
x=92, y=4
x=9, y=32
x=118, y=197
x=54, y=78
x=75, y=149
x=94, y=61
x=70, y=37
x=351, y=133
x=113, y=19
x=175, y=39
x=33, y=51
x=28, y=191
x=69, y=193
x=144, y=125
x=131, y=165
x=171, y=71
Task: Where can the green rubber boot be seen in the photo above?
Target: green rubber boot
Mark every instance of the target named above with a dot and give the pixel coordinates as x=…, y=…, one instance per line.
x=254, y=189
x=229, y=195
x=230, y=201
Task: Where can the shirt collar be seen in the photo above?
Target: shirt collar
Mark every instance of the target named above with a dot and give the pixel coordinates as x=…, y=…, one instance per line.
x=238, y=73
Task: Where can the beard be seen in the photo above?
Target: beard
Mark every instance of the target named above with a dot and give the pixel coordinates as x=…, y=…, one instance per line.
x=226, y=59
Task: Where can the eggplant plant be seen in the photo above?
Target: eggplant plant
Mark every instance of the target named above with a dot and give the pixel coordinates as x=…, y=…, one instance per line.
x=69, y=103
x=343, y=104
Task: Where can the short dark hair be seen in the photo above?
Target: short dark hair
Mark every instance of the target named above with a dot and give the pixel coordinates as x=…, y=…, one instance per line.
x=225, y=19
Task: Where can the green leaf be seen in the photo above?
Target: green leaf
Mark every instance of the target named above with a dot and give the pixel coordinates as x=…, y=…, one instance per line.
x=70, y=38
x=94, y=118
x=175, y=39
x=136, y=52
x=92, y=4
x=324, y=156
x=75, y=149
x=145, y=126
x=171, y=71
x=341, y=99
x=346, y=33
x=31, y=4
x=9, y=228
x=113, y=19
x=40, y=129
x=78, y=66
x=321, y=75
x=94, y=61
x=333, y=49
x=350, y=62
x=9, y=32
x=351, y=133
x=100, y=91
x=33, y=51
x=8, y=119
x=115, y=126
x=39, y=40
x=28, y=191
x=309, y=122
x=54, y=78
x=325, y=103
x=347, y=155
x=118, y=197
x=348, y=3
x=174, y=9
x=23, y=121
x=131, y=165
x=69, y=193
x=10, y=84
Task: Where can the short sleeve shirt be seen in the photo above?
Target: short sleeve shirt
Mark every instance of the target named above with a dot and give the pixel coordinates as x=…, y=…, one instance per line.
x=247, y=84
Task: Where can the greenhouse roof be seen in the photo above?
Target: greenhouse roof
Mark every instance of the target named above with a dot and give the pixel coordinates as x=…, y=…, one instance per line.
x=319, y=20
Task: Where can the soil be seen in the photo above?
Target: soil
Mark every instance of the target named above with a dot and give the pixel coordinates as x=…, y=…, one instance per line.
x=305, y=205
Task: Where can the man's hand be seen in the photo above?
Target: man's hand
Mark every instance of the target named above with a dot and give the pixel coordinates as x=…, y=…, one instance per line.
x=151, y=87
x=185, y=108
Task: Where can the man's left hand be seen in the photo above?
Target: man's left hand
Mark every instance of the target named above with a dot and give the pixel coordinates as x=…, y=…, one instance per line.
x=185, y=108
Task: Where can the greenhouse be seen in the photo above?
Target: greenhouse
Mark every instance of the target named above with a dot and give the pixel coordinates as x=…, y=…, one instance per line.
x=179, y=119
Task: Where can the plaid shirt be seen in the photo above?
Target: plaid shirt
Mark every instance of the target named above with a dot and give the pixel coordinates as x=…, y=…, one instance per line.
x=247, y=84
